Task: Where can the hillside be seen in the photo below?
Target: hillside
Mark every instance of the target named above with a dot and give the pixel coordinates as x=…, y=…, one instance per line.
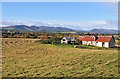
x=104, y=31
x=55, y=29
x=37, y=28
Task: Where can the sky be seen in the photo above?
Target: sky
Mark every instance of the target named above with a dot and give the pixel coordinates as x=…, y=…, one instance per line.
x=74, y=15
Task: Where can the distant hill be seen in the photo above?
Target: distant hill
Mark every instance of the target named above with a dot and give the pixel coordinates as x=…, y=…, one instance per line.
x=104, y=31
x=55, y=29
x=37, y=28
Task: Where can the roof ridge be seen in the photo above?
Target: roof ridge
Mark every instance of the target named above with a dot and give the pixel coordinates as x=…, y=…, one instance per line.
x=104, y=36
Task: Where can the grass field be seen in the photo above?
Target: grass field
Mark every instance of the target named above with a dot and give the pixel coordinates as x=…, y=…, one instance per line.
x=27, y=58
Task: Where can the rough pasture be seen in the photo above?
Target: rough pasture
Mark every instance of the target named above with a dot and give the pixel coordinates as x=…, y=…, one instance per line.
x=21, y=57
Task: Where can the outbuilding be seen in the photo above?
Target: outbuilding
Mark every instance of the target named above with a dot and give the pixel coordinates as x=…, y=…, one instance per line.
x=68, y=40
x=100, y=41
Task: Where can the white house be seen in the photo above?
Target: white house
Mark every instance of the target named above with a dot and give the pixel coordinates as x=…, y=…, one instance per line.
x=100, y=41
x=68, y=40
x=105, y=41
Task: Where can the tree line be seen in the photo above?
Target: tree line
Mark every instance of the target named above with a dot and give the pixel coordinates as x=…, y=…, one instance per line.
x=47, y=38
x=45, y=35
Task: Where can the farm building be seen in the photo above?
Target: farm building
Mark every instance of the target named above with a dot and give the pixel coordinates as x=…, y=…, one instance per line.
x=100, y=41
x=68, y=40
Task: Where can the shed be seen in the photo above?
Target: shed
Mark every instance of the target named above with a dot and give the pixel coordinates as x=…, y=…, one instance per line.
x=68, y=40
x=100, y=41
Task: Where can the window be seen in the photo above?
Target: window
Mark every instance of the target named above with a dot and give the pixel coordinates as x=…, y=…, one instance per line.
x=91, y=43
x=103, y=42
x=63, y=39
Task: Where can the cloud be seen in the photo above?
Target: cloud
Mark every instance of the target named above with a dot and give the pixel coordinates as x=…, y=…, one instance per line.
x=109, y=24
x=18, y=22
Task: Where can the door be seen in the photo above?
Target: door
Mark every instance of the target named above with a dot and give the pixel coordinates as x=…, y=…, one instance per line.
x=103, y=44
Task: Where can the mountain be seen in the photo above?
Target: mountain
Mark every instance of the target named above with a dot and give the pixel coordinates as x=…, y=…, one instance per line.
x=56, y=29
x=37, y=28
x=104, y=31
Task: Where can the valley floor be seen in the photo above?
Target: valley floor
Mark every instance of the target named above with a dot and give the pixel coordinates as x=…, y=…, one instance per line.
x=28, y=58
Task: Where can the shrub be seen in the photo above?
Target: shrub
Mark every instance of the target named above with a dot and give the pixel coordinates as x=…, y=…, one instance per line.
x=44, y=41
x=55, y=40
x=51, y=41
x=77, y=41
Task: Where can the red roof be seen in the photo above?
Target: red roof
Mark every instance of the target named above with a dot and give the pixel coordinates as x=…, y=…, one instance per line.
x=104, y=38
x=92, y=38
x=80, y=38
x=86, y=38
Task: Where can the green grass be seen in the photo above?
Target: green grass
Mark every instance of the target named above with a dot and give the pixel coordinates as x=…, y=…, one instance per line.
x=64, y=45
x=93, y=47
x=27, y=58
x=84, y=46
x=117, y=42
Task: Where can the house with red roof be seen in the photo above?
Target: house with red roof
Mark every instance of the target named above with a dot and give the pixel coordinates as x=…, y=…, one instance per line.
x=100, y=41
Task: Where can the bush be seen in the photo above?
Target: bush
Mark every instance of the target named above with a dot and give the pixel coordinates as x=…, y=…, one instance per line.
x=44, y=41
x=51, y=41
x=55, y=40
x=77, y=41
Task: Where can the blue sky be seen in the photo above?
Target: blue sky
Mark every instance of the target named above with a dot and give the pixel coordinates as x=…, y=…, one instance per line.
x=75, y=15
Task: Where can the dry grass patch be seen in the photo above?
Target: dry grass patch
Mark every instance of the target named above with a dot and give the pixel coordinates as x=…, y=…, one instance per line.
x=29, y=58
